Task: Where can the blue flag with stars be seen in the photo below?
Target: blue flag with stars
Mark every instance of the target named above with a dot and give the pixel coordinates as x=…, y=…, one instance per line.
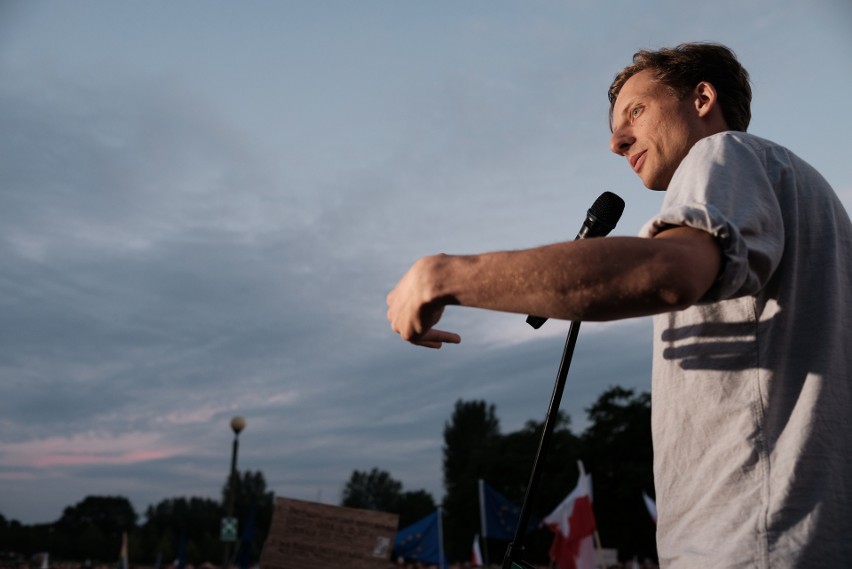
x=501, y=515
x=421, y=541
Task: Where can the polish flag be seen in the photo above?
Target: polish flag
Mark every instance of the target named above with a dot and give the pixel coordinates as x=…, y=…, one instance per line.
x=476, y=554
x=573, y=527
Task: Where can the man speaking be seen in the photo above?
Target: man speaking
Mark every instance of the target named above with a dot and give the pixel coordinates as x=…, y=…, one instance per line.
x=748, y=271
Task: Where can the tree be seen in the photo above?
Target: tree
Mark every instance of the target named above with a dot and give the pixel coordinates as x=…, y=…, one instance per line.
x=194, y=519
x=377, y=490
x=94, y=527
x=197, y=521
x=252, y=500
x=374, y=490
x=507, y=467
x=17, y=540
x=106, y=512
x=469, y=440
x=415, y=506
x=472, y=427
x=510, y=465
x=617, y=451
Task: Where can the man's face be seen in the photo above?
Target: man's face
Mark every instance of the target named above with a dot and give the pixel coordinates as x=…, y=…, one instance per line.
x=653, y=129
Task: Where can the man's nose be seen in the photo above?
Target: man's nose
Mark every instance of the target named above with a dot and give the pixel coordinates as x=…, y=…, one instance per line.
x=621, y=141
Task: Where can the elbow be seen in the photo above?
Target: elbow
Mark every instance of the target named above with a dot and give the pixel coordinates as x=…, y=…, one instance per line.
x=680, y=291
x=688, y=264
x=672, y=299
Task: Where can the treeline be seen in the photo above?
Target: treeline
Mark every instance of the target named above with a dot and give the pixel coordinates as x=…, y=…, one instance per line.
x=615, y=449
x=92, y=529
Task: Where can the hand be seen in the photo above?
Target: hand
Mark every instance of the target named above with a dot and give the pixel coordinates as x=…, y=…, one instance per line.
x=413, y=312
x=435, y=339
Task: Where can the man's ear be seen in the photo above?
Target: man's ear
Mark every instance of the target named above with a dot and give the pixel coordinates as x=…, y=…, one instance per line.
x=705, y=98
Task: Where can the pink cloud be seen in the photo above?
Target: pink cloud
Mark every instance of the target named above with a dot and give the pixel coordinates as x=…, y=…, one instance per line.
x=83, y=459
x=87, y=449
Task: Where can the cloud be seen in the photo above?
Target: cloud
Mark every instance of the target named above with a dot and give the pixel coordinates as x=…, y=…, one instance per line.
x=160, y=278
x=86, y=449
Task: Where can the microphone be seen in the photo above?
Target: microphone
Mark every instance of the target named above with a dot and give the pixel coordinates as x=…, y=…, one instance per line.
x=600, y=220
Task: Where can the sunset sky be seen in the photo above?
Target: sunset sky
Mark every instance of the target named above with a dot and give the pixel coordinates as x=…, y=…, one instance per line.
x=204, y=204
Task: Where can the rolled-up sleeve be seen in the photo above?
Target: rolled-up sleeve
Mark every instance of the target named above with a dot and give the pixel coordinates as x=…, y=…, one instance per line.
x=722, y=187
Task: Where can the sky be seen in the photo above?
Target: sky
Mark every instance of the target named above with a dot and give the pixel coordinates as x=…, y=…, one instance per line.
x=205, y=203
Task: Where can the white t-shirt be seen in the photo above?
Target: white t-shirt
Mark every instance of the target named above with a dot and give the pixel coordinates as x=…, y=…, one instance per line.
x=752, y=387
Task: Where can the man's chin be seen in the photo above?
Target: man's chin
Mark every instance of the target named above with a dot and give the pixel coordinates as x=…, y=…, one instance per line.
x=655, y=186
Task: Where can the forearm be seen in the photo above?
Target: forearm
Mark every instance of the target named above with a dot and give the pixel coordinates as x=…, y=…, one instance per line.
x=595, y=279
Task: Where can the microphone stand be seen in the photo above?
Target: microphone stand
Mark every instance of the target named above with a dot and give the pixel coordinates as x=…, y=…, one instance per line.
x=515, y=550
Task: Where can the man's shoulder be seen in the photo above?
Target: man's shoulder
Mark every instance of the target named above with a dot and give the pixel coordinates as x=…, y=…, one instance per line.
x=733, y=139
x=737, y=149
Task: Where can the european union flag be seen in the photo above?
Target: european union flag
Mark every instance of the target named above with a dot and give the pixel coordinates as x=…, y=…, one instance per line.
x=244, y=555
x=501, y=515
x=421, y=541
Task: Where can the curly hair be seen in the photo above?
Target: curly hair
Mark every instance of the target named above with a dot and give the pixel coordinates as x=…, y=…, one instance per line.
x=683, y=67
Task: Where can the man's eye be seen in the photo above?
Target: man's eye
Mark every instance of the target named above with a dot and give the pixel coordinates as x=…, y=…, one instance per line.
x=635, y=112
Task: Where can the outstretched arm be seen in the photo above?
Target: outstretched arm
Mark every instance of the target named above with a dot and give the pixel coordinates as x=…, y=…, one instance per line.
x=593, y=279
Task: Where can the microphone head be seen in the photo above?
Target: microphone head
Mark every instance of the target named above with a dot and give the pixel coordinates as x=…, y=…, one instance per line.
x=607, y=209
x=600, y=220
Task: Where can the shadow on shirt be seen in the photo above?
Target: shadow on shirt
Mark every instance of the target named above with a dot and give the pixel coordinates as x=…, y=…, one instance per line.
x=720, y=346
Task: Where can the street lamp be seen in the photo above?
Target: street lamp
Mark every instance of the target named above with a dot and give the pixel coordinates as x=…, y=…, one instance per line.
x=237, y=425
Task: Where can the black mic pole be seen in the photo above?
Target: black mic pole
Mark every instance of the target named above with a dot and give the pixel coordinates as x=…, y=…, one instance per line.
x=601, y=219
x=516, y=547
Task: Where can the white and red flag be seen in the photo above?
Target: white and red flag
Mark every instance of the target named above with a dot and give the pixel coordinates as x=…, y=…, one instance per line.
x=476, y=553
x=573, y=527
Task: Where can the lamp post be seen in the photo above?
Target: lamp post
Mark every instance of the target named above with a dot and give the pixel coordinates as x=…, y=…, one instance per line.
x=237, y=425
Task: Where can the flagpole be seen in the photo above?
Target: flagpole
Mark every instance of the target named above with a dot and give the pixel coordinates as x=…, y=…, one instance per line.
x=599, y=549
x=483, y=522
x=125, y=564
x=441, y=560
